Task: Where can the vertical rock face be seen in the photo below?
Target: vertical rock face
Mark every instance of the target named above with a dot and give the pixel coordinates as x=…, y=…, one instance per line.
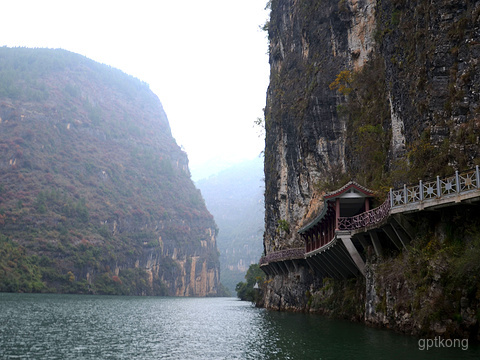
x=305, y=139
x=192, y=271
x=310, y=43
x=408, y=109
x=361, y=29
x=431, y=52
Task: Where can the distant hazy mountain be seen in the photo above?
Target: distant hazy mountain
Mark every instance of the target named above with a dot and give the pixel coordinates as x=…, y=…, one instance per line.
x=235, y=198
x=211, y=167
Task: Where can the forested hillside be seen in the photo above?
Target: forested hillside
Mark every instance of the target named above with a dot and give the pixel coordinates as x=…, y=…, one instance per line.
x=95, y=194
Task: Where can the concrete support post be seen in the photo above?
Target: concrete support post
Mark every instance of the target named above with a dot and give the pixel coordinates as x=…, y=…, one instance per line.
x=376, y=243
x=343, y=257
x=400, y=228
x=393, y=237
x=333, y=265
x=323, y=266
x=363, y=242
x=312, y=266
x=421, y=190
x=294, y=262
x=352, y=250
x=391, y=198
x=405, y=194
x=405, y=225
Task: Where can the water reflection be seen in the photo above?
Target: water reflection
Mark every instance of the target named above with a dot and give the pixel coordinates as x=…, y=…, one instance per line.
x=307, y=336
x=94, y=327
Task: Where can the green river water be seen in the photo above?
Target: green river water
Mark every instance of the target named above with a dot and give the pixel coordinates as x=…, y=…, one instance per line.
x=44, y=326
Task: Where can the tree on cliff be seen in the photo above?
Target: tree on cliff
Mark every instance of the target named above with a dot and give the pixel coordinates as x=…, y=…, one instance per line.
x=251, y=290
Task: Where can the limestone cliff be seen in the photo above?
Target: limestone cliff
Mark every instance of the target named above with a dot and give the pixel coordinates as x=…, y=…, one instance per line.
x=306, y=144
x=95, y=194
x=382, y=92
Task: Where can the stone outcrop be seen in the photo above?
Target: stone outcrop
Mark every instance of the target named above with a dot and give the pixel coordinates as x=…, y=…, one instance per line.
x=405, y=106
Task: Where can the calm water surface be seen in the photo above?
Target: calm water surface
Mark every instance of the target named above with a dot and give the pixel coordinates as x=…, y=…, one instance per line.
x=39, y=326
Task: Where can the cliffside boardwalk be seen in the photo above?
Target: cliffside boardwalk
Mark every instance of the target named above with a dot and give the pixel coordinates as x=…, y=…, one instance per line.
x=337, y=239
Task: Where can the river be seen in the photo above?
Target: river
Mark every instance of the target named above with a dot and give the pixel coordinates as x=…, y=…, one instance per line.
x=47, y=326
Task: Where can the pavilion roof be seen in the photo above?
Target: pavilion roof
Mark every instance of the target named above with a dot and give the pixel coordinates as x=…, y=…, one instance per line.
x=333, y=195
x=315, y=221
x=351, y=184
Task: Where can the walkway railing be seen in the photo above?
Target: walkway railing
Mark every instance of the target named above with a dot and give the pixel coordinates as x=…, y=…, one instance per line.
x=287, y=254
x=440, y=188
x=366, y=218
x=436, y=189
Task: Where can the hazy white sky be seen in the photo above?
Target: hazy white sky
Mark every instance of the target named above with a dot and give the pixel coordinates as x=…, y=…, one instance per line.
x=205, y=60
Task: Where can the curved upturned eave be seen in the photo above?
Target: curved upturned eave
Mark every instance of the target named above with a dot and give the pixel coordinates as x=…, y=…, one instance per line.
x=330, y=196
x=315, y=221
x=346, y=187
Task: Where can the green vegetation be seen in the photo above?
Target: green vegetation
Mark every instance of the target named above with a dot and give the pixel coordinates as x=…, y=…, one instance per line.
x=420, y=68
x=437, y=141
x=246, y=291
x=21, y=272
x=89, y=183
x=367, y=111
x=441, y=130
x=18, y=271
x=343, y=82
x=339, y=298
x=283, y=225
x=436, y=279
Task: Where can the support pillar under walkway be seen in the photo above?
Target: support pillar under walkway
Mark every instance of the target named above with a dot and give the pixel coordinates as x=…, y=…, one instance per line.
x=352, y=250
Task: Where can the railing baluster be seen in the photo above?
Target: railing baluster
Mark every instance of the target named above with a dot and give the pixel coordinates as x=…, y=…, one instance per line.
x=366, y=218
x=477, y=171
x=466, y=181
x=457, y=180
x=439, y=187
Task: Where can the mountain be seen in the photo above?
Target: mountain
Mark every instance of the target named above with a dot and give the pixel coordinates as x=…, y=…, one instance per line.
x=235, y=198
x=95, y=194
x=383, y=93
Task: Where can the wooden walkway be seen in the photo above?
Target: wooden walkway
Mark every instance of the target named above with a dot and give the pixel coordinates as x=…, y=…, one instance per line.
x=341, y=254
